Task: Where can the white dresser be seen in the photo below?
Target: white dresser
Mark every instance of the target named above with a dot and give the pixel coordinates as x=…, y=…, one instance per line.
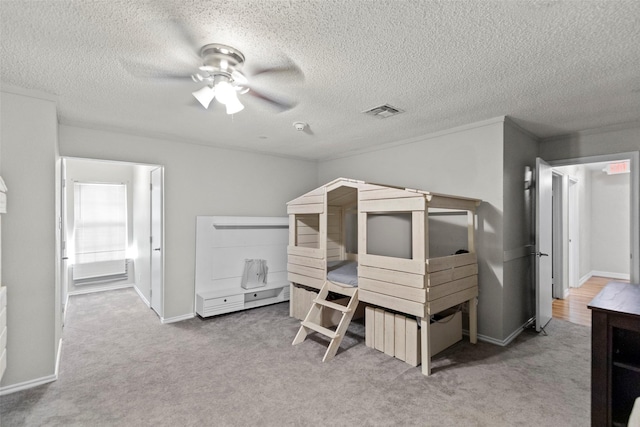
x=3, y=330
x=223, y=243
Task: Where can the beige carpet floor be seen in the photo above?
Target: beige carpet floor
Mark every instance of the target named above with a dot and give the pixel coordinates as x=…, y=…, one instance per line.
x=121, y=367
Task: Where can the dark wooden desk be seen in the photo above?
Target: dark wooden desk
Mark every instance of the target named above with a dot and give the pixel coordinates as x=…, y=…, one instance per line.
x=615, y=353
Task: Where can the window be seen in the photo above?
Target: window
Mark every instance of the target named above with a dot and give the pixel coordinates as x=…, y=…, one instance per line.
x=100, y=222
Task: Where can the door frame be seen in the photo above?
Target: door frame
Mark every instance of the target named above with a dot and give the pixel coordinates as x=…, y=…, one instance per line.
x=558, y=259
x=159, y=307
x=634, y=160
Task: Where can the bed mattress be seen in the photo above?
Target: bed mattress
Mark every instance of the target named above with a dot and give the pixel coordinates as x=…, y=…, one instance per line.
x=345, y=272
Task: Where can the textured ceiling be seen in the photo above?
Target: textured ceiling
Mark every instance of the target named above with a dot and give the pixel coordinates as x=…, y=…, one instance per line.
x=555, y=67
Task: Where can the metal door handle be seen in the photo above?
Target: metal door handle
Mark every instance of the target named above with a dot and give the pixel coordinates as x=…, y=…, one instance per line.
x=156, y=249
x=541, y=254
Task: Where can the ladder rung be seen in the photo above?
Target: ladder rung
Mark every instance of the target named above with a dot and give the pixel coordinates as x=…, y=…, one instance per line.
x=324, y=331
x=333, y=305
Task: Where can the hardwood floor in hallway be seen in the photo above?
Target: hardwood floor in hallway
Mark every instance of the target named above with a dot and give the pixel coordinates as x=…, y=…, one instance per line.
x=574, y=307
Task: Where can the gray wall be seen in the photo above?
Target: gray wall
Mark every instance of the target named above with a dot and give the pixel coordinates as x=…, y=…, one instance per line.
x=610, y=224
x=520, y=151
x=29, y=157
x=466, y=161
x=199, y=180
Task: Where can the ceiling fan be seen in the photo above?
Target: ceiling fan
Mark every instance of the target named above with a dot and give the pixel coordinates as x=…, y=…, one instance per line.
x=221, y=72
x=223, y=79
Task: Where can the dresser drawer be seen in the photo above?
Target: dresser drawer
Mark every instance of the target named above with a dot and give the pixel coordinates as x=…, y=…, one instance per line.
x=3, y=318
x=211, y=306
x=223, y=301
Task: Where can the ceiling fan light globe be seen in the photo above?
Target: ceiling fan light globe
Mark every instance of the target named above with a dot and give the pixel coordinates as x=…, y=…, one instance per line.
x=205, y=95
x=225, y=92
x=234, y=106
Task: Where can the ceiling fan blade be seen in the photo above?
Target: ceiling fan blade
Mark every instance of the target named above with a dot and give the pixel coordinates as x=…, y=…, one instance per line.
x=280, y=104
x=146, y=71
x=185, y=36
x=289, y=70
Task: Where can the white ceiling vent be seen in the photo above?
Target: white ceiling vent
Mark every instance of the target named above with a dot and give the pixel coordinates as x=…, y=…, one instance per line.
x=383, y=111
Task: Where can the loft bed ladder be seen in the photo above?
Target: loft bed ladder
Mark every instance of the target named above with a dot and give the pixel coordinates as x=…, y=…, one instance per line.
x=310, y=322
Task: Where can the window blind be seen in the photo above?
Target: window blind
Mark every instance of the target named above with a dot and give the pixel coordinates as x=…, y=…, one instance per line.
x=100, y=222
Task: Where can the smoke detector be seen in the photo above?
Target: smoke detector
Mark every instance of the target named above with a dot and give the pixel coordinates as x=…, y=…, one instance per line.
x=299, y=126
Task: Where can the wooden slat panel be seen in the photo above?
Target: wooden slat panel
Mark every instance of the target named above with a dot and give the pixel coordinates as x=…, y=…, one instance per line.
x=438, y=305
x=450, y=261
x=333, y=245
x=418, y=235
x=393, y=205
x=385, y=193
x=390, y=263
x=305, y=280
x=378, y=340
x=368, y=186
x=439, y=201
x=307, y=200
x=391, y=276
x=389, y=331
x=342, y=289
x=292, y=230
x=400, y=336
x=307, y=238
x=333, y=229
x=412, y=339
x=306, y=252
x=305, y=209
x=333, y=255
x=398, y=304
x=306, y=230
x=451, y=287
x=306, y=261
x=312, y=220
x=369, y=319
x=394, y=290
x=307, y=271
x=444, y=276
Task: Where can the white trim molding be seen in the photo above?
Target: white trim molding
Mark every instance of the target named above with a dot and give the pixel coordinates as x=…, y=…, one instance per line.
x=177, y=318
x=142, y=297
x=505, y=342
x=610, y=275
x=27, y=384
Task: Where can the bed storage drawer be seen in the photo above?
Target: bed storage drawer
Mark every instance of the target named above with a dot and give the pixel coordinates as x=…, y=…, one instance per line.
x=398, y=335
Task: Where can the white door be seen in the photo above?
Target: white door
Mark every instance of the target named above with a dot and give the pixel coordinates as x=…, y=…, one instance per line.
x=544, y=240
x=157, y=256
x=574, y=234
x=64, y=274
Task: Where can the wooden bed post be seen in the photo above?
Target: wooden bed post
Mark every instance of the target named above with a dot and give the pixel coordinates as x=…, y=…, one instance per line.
x=425, y=344
x=473, y=302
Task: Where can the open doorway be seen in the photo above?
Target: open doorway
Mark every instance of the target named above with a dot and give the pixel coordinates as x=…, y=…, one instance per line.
x=592, y=229
x=106, y=227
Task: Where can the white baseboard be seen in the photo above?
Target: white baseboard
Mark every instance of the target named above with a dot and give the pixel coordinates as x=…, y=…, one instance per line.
x=584, y=278
x=142, y=297
x=177, y=318
x=58, y=357
x=505, y=342
x=39, y=381
x=565, y=294
x=27, y=384
x=100, y=289
x=610, y=275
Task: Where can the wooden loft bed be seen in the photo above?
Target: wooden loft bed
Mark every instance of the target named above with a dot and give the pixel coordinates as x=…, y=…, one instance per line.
x=321, y=234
